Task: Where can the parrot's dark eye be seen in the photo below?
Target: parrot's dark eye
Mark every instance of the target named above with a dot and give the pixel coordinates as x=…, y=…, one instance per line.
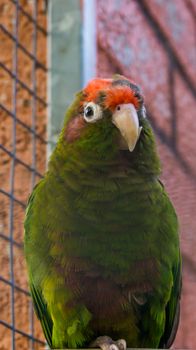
x=92, y=112
x=89, y=112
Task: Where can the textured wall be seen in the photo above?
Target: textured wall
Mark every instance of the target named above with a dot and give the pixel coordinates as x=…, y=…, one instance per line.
x=153, y=43
x=24, y=151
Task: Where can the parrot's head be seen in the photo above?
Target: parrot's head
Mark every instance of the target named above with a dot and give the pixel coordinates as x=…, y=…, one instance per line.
x=107, y=117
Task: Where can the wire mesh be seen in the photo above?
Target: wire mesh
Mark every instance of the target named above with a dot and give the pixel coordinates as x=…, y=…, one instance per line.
x=22, y=117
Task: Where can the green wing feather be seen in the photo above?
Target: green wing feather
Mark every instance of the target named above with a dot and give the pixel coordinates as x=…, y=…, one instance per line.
x=42, y=313
x=39, y=304
x=172, y=310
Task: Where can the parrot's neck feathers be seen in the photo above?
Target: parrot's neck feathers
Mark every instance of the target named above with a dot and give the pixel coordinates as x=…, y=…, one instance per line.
x=142, y=164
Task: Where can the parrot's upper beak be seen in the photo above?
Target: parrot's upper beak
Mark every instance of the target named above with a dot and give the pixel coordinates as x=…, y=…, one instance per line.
x=125, y=118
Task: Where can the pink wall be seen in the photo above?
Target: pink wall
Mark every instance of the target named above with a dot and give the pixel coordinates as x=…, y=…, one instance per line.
x=153, y=42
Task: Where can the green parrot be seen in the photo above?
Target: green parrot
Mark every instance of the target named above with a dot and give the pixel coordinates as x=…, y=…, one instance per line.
x=101, y=234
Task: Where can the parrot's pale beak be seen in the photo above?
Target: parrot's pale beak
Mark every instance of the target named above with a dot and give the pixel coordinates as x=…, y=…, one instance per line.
x=125, y=118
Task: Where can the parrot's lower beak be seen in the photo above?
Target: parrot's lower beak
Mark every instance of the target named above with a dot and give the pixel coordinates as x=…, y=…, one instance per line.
x=125, y=118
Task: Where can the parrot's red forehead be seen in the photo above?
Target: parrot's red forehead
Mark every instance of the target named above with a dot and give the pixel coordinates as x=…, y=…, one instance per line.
x=114, y=94
x=94, y=87
x=119, y=95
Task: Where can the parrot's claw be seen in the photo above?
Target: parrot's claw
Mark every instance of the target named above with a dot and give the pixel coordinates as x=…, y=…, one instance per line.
x=106, y=343
x=121, y=343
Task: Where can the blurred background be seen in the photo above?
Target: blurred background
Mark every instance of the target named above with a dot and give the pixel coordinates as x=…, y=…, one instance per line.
x=48, y=51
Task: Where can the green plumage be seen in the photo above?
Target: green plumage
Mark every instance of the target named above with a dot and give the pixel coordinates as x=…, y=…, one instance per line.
x=101, y=241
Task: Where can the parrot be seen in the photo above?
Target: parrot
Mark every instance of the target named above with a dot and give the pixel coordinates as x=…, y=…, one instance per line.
x=101, y=234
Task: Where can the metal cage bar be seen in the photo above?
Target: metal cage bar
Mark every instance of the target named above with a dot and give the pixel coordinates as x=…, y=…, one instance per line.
x=33, y=116
x=22, y=84
x=19, y=45
x=14, y=159
x=30, y=18
x=25, y=126
x=12, y=172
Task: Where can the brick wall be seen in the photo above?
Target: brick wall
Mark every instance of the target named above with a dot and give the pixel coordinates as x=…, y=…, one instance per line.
x=153, y=42
x=26, y=142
